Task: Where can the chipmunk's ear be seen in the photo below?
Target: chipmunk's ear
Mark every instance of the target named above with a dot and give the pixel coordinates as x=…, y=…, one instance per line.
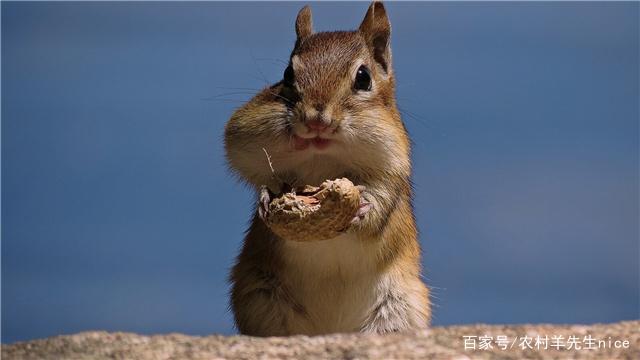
x=376, y=30
x=304, y=23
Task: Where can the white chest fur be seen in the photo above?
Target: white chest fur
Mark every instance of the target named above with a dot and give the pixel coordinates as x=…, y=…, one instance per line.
x=345, y=255
x=336, y=281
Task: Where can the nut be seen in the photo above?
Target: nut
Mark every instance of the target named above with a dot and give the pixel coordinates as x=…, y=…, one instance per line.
x=312, y=213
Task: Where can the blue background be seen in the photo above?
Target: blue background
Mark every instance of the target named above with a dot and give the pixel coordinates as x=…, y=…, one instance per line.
x=118, y=212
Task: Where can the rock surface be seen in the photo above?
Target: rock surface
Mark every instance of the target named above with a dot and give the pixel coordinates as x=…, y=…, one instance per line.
x=436, y=343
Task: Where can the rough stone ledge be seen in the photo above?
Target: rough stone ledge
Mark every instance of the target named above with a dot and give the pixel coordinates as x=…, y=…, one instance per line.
x=435, y=343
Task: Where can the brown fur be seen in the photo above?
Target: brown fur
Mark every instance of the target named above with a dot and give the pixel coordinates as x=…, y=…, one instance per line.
x=369, y=278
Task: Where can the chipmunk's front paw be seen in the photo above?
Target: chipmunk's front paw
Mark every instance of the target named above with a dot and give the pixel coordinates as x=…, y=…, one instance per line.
x=365, y=206
x=263, y=202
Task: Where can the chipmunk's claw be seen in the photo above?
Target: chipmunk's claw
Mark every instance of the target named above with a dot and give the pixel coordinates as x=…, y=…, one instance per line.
x=263, y=202
x=365, y=207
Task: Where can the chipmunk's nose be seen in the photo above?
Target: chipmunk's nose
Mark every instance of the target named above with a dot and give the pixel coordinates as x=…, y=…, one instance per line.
x=318, y=119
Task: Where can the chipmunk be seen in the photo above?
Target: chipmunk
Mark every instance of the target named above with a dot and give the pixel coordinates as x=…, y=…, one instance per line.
x=332, y=115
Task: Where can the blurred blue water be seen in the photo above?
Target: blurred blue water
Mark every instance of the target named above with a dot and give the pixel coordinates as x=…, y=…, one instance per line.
x=117, y=210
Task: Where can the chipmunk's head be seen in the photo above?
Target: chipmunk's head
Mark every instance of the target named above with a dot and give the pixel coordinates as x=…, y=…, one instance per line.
x=334, y=112
x=340, y=83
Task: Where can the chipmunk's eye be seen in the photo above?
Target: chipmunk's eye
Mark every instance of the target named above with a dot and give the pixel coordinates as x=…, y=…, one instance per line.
x=363, y=79
x=288, y=76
